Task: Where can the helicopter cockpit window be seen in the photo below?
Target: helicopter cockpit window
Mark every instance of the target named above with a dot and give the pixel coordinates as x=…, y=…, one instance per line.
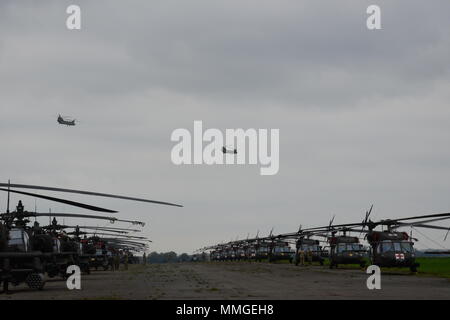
x=389, y=246
x=357, y=247
x=341, y=247
x=56, y=246
x=18, y=239
x=406, y=247
x=306, y=247
x=281, y=249
x=386, y=246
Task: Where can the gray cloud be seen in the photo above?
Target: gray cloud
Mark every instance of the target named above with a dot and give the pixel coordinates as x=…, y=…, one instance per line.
x=363, y=116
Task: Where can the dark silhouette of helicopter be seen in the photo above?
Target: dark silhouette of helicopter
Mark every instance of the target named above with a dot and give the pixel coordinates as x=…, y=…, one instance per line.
x=226, y=149
x=388, y=246
x=65, y=121
x=28, y=252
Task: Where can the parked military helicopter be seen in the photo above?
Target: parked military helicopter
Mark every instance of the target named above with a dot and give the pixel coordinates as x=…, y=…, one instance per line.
x=391, y=248
x=24, y=251
x=278, y=248
x=20, y=261
x=310, y=248
x=346, y=250
x=388, y=247
x=69, y=251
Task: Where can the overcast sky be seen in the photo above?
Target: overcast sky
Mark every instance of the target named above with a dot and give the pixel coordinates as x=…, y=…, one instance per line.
x=364, y=116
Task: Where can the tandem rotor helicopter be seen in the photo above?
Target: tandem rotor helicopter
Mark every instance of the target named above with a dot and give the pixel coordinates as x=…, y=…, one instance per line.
x=27, y=252
x=66, y=120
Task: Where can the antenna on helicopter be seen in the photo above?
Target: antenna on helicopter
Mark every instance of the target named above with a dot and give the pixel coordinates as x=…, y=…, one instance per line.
x=445, y=238
x=7, y=206
x=366, y=219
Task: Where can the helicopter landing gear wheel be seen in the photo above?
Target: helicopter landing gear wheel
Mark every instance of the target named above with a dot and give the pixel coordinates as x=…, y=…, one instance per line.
x=5, y=286
x=35, y=281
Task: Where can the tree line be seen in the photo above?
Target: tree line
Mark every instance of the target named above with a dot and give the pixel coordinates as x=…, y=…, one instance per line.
x=167, y=257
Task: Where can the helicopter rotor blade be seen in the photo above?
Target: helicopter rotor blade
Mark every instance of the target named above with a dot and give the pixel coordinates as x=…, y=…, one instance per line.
x=87, y=216
x=437, y=215
x=90, y=193
x=430, y=227
x=113, y=228
x=422, y=222
x=68, y=202
x=108, y=234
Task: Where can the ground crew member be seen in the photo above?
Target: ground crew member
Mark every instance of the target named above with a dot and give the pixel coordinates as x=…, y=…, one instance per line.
x=117, y=261
x=309, y=256
x=302, y=257
x=111, y=261
x=144, y=258
x=126, y=261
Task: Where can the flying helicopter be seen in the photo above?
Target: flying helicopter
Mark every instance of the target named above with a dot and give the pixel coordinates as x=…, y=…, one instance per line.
x=66, y=121
x=228, y=149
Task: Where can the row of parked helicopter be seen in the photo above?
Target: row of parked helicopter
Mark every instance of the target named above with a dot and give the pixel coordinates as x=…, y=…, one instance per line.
x=29, y=253
x=341, y=244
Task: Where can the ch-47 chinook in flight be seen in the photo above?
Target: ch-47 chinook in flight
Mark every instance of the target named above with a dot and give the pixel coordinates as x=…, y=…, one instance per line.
x=229, y=149
x=66, y=121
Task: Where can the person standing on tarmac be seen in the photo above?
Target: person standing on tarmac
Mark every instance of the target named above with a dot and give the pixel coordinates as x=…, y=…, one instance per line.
x=309, y=256
x=302, y=257
x=126, y=261
x=117, y=261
